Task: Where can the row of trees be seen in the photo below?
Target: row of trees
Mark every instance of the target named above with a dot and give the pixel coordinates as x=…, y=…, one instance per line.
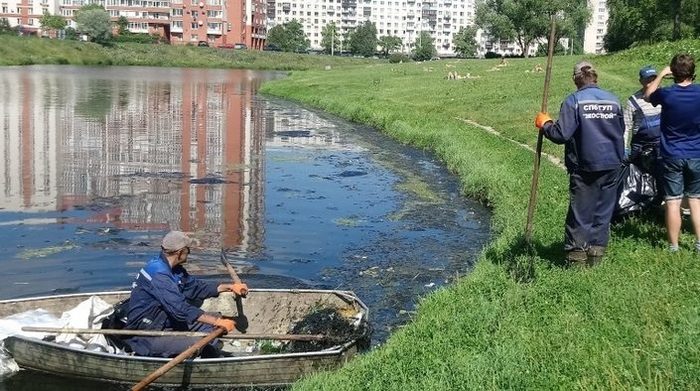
x=92, y=20
x=630, y=22
x=647, y=21
x=526, y=22
x=363, y=40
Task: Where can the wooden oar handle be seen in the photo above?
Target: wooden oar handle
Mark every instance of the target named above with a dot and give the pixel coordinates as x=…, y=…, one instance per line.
x=230, y=268
x=167, y=333
x=180, y=358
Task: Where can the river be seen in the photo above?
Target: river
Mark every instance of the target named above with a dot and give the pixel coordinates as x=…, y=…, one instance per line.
x=97, y=164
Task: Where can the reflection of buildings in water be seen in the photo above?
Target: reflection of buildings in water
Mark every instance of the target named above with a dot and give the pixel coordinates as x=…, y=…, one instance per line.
x=285, y=128
x=28, y=179
x=131, y=147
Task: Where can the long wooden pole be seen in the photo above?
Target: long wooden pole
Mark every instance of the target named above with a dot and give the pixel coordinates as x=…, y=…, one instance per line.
x=538, y=149
x=155, y=333
x=178, y=359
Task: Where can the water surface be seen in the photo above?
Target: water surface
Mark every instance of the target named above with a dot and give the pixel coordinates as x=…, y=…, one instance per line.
x=97, y=164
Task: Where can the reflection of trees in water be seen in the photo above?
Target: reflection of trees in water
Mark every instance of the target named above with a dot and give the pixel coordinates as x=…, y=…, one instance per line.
x=94, y=99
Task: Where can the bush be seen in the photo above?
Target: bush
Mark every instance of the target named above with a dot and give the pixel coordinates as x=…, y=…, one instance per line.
x=492, y=55
x=136, y=38
x=396, y=58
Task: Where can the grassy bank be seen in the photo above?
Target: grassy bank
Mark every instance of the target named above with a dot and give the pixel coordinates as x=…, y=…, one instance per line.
x=29, y=50
x=631, y=323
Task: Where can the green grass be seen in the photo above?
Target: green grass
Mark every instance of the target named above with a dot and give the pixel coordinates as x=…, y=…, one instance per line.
x=28, y=51
x=633, y=322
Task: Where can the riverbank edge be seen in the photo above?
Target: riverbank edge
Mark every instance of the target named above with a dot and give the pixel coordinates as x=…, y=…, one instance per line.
x=498, y=329
x=42, y=51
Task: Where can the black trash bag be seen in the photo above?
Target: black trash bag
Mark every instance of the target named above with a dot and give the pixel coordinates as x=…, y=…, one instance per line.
x=637, y=190
x=117, y=321
x=646, y=158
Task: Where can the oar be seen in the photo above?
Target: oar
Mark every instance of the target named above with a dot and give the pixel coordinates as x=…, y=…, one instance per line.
x=155, y=333
x=231, y=270
x=538, y=149
x=178, y=359
x=241, y=319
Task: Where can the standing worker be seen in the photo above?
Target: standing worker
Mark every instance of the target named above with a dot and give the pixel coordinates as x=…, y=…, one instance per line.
x=680, y=143
x=166, y=297
x=643, y=131
x=591, y=126
x=642, y=119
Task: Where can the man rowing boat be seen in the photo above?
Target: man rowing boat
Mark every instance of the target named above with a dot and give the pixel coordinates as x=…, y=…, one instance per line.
x=166, y=297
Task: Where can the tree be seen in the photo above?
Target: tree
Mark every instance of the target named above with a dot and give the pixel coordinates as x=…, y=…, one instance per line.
x=122, y=25
x=465, y=41
x=633, y=22
x=363, y=41
x=70, y=33
x=289, y=37
x=330, y=39
x=94, y=21
x=52, y=23
x=526, y=21
x=6, y=29
x=425, y=47
x=389, y=43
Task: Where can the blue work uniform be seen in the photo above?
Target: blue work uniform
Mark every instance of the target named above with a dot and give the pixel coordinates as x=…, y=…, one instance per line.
x=591, y=127
x=166, y=299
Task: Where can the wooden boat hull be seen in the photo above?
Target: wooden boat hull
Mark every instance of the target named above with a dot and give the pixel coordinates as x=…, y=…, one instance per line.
x=269, y=306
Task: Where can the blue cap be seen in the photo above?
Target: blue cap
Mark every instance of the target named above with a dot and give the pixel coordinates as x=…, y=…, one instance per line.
x=647, y=72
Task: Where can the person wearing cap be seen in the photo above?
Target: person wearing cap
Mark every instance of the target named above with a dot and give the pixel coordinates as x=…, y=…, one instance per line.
x=680, y=143
x=591, y=126
x=643, y=131
x=642, y=119
x=165, y=297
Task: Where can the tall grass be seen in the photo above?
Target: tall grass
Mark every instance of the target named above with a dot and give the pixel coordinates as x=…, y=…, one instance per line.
x=633, y=322
x=29, y=50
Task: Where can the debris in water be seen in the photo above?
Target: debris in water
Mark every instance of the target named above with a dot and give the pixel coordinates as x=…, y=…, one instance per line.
x=45, y=252
x=351, y=173
x=328, y=322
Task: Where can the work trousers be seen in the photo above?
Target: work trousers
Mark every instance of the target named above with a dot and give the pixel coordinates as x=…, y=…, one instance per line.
x=171, y=346
x=592, y=199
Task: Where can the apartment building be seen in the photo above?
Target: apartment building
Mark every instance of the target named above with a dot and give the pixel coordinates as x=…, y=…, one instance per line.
x=26, y=13
x=597, y=28
x=217, y=22
x=406, y=19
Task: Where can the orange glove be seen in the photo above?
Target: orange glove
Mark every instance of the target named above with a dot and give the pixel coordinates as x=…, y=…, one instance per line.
x=240, y=289
x=541, y=119
x=226, y=324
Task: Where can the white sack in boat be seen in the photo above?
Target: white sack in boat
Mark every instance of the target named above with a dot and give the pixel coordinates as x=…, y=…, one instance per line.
x=87, y=315
x=12, y=325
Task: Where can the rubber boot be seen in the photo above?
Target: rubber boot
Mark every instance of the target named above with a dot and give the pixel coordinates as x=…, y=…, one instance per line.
x=595, y=255
x=576, y=257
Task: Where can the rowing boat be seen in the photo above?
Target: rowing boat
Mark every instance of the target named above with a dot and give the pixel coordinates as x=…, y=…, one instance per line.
x=267, y=311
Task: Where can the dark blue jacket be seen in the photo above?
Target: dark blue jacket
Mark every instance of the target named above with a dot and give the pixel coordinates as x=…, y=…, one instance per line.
x=591, y=126
x=164, y=298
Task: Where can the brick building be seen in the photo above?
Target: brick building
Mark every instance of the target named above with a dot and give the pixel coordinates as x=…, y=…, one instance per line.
x=217, y=22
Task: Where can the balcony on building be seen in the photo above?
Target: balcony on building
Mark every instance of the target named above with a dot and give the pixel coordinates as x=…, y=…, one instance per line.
x=286, y=7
